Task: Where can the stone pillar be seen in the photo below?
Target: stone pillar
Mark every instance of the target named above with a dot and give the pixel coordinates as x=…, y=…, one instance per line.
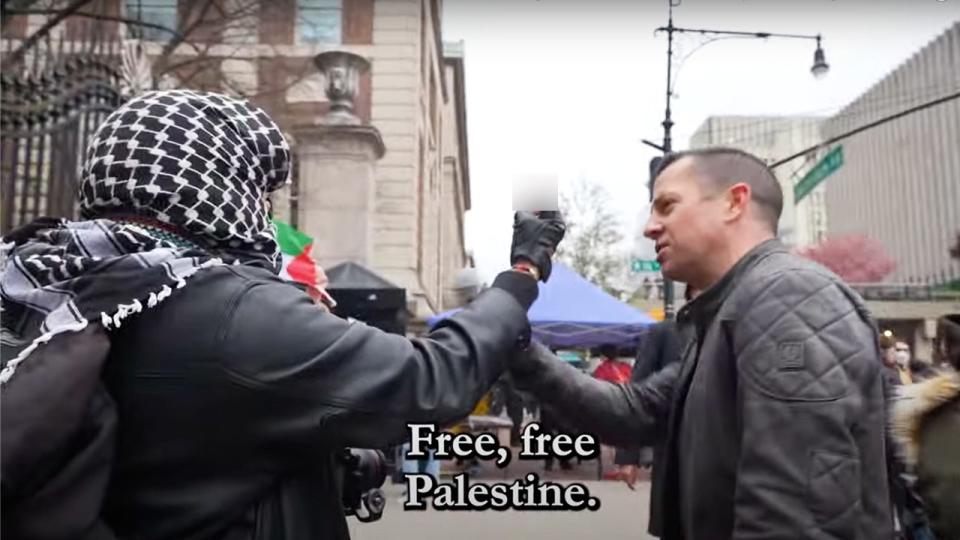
x=337, y=156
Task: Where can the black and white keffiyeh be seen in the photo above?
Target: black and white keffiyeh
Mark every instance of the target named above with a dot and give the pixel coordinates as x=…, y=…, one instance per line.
x=174, y=182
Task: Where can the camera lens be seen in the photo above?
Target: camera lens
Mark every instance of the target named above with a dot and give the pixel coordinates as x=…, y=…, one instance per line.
x=370, y=471
x=375, y=501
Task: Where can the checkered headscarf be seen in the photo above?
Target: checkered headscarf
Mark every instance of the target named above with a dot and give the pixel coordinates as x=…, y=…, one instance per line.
x=174, y=182
x=203, y=163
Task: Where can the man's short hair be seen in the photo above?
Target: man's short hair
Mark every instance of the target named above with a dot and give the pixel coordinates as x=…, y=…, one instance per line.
x=948, y=331
x=722, y=167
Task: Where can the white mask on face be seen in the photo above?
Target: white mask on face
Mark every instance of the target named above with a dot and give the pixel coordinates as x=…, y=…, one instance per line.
x=902, y=357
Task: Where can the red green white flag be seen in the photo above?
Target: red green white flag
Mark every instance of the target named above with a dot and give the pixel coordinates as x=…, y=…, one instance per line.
x=295, y=247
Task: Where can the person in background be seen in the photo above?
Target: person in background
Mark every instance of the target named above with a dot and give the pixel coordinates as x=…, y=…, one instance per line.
x=515, y=408
x=926, y=424
x=662, y=345
x=550, y=423
x=908, y=511
x=910, y=368
x=916, y=368
x=611, y=369
x=901, y=356
x=888, y=358
x=430, y=465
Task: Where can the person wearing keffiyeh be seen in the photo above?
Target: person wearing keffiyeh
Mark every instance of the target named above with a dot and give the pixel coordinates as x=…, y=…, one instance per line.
x=225, y=393
x=173, y=182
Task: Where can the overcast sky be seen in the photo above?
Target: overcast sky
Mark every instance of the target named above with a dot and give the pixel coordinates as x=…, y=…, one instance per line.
x=569, y=87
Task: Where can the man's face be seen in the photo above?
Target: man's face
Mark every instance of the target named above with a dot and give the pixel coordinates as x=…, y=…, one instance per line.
x=902, y=354
x=687, y=222
x=888, y=356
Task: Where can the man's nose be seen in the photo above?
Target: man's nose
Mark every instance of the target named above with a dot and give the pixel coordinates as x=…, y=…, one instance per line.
x=653, y=229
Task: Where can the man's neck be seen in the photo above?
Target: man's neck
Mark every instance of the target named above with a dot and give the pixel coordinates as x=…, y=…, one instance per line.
x=729, y=255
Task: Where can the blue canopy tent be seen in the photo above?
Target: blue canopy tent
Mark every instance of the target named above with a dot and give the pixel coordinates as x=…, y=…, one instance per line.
x=572, y=312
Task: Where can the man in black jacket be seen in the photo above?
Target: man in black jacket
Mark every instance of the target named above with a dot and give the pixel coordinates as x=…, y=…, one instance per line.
x=773, y=423
x=235, y=394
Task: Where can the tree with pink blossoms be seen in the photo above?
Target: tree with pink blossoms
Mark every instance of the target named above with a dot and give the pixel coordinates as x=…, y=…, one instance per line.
x=856, y=258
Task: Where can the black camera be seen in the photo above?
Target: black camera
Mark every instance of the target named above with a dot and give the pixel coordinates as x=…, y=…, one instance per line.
x=364, y=471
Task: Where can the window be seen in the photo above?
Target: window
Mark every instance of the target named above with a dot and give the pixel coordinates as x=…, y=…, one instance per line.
x=161, y=12
x=319, y=21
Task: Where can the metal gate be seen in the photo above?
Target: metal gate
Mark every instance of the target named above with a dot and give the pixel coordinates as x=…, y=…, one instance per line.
x=46, y=122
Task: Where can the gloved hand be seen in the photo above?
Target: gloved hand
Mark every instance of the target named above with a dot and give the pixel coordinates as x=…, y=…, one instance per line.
x=535, y=239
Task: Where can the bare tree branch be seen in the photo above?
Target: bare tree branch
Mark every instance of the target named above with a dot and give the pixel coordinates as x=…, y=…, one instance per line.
x=593, y=232
x=236, y=22
x=173, y=68
x=184, y=34
x=6, y=11
x=98, y=17
x=41, y=32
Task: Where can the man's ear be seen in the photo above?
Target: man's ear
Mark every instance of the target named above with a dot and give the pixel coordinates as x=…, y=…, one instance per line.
x=738, y=200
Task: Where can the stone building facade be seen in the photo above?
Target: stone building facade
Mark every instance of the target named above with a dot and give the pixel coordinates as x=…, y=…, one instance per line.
x=413, y=94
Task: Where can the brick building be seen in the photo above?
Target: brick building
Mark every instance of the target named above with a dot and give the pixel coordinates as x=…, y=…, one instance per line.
x=264, y=49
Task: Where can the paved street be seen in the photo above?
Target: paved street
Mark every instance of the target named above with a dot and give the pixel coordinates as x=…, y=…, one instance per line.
x=622, y=514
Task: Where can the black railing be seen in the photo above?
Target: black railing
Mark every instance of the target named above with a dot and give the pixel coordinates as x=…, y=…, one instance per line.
x=46, y=122
x=905, y=291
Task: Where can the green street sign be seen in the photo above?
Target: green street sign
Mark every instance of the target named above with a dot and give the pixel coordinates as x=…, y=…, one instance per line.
x=641, y=265
x=827, y=166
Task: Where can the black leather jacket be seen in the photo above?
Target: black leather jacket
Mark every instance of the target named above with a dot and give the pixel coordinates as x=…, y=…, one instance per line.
x=774, y=421
x=235, y=393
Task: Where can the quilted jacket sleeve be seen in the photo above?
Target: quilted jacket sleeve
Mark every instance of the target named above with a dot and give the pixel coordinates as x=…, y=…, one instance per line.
x=628, y=414
x=659, y=347
x=809, y=382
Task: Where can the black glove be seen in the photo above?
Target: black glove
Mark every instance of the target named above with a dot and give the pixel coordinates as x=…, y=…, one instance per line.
x=535, y=239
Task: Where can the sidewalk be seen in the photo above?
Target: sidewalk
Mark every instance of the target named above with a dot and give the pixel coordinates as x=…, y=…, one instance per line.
x=585, y=471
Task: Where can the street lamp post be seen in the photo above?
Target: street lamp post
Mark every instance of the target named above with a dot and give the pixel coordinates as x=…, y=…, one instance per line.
x=819, y=69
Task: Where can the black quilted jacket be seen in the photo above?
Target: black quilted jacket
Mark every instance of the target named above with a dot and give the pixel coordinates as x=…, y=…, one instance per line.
x=774, y=421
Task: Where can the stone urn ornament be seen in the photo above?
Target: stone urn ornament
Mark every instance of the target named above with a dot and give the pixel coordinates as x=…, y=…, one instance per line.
x=341, y=73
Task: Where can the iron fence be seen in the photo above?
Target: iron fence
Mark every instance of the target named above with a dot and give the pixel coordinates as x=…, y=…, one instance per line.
x=46, y=122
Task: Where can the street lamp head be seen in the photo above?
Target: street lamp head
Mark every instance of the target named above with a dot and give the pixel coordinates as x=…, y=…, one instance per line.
x=820, y=66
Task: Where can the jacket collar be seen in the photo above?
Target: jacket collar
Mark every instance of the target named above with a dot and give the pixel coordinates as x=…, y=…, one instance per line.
x=705, y=306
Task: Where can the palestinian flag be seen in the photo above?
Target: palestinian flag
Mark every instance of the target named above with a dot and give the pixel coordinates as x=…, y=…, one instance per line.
x=298, y=265
x=295, y=247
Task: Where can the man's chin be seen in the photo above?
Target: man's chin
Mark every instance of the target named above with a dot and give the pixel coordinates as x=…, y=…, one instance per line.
x=670, y=271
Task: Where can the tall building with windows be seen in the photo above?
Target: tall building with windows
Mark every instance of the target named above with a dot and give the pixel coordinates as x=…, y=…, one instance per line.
x=900, y=180
x=264, y=49
x=771, y=138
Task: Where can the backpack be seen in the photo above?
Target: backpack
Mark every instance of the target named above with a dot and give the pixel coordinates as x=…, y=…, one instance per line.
x=57, y=439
